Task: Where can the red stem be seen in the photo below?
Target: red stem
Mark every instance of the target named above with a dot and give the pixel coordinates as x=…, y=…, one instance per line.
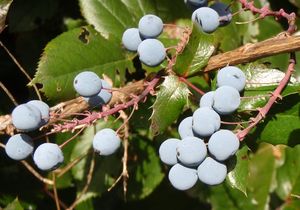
x=275, y=95
x=265, y=11
x=97, y=115
x=201, y=92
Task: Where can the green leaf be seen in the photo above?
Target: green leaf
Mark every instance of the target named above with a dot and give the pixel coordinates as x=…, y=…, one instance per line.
x=282, y=124
x=114, y=16
x=73, y=52
x=261, y=81
x=171, y=98
x=108, y=16
x=195, y=54
x=288, y=174
x=15, y=205
x=259, y=184
x=237, y=178
x=4, y=6
x=145, y=171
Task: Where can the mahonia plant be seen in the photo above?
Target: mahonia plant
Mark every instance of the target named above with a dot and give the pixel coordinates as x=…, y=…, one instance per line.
x=138, y=98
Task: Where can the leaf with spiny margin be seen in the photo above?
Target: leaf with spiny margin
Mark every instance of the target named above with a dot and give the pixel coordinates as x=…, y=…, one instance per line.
x=261, y=81
x=171, y=98
x=4, y=6
x=115, y=16
x=237, y=177
x=145, y=170
x=75, y=51
x=288, y=174
x=15, y=205
x=196, y=53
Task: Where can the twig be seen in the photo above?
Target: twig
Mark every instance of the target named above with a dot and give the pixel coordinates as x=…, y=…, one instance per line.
x=98, y=115
x=265, y=11
x=252, y=52
x=275, y=95
x=55, y=191
x=62, y=204
x=8, y=94
x=88, y=182
x=21, y=69
x=201, y=92
x=70, y=139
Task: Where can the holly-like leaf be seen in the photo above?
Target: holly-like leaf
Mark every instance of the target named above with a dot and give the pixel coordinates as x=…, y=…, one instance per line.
x=195, y=54
x=288, y=174
x=4, y=6
x=73, y=52
x=171, y=98
x=261, y=81
x=237, y=178
x=145, y=171
x=15, y=205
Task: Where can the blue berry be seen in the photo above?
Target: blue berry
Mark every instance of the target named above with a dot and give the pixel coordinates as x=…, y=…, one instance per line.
x=19, y=146
x=44, y=109
x=87, y=84
x=48, y=156
x=26, y=117
x=151, y=52
x=231, y=76
x=103, y=97
x=226, y=100
x=224, y=11
x=185, y=127
x=198, y=3
x=150, y=26
x=191, y=151
x=167, y=151
x=223, y=144
x=206, y=18
x=182, y=178
x=205, y=121
x=207, y=100
x=212, y=172
x=131, y=39
x=106, y=142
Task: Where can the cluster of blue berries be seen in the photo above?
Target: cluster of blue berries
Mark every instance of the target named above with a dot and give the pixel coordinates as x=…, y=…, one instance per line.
x=29, y=117
x=191, y=157
x=34, y=114
x=143, y=40
x=209, y=18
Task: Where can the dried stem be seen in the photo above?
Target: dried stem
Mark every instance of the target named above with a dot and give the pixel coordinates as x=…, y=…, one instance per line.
x=275, y=95
x=62, y=204
x=88, y=182
x=9, y=94
x=21, y=69
x=55, y=192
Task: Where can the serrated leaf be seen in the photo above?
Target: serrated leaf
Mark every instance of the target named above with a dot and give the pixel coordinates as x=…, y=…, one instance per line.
x=145, y=172
x=261, y=81
x=170, y=100
x=15, y=205
x=73, y=52
x=288, y=174
x=195, y=54
x=4, y=6
x=237, y=178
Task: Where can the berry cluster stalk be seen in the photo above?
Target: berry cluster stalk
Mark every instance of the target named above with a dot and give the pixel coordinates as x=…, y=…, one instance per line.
x=275, y=95
x=265, y=11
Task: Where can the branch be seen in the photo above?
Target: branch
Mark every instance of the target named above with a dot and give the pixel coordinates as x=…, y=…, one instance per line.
x=275, y=95
x=252, y=52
